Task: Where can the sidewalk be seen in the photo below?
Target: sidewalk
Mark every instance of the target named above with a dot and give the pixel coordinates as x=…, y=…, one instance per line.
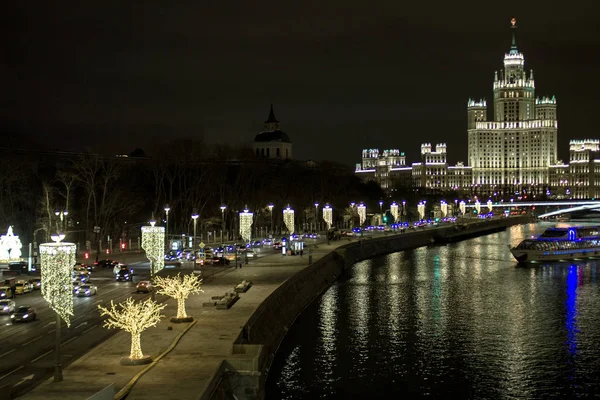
x=187, y=369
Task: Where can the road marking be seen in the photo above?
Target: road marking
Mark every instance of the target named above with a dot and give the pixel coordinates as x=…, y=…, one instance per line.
x=88, y=329
x=98, y=302
x=11, y=372
x=81, y=324
x=51, y=323
x=8, y=352
x=23, y=379
x=43, y=355
x=69, y=341
x=51, y=331
x=31, y=341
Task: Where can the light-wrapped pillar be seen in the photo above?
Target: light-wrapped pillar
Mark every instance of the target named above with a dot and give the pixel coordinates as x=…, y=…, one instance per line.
x=153, y=243
x=57, y=261
x=489, y=205
x=394, y=211
x=288, y=219
x=246, y=225
x=444, y=208
x=328, y=216
x=362, y=213
x=462, y=206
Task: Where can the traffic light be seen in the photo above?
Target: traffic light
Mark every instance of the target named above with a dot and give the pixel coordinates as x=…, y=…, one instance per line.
x=86, y=255
x=122, y=246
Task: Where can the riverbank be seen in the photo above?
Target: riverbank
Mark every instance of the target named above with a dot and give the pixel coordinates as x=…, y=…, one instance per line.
x=229, y=351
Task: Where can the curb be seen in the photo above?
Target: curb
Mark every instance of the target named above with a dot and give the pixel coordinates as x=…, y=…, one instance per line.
x=124, y=392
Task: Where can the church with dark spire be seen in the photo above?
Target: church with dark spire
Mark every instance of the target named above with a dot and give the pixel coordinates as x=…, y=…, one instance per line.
x=272, y=143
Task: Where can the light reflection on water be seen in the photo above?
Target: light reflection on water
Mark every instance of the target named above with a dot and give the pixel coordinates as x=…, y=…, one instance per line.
x=458, y=319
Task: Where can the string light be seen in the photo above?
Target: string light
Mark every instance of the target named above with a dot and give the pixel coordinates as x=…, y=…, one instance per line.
x=288, y=219
x=246, y=225
x=134, y=318
x=328, y=216
x=362, y=213
x=394, y=211
x=179, y=288
x=57, y=260
x=153, y=243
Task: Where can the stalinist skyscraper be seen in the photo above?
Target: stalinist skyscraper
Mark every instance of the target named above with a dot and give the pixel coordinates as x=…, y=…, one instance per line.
x=512, y=153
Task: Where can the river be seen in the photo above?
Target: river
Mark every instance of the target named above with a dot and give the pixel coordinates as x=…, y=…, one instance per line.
x=457, y=320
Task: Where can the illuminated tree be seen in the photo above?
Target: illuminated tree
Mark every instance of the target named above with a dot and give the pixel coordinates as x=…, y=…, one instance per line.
x=133, y=317
x=180, y=288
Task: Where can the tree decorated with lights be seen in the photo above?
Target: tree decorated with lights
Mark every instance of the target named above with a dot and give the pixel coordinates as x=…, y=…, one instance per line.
x=288, y=219
x=133, y=317
x=180, y=288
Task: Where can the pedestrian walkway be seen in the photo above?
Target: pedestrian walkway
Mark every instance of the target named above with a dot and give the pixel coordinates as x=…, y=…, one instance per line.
x=185, y=371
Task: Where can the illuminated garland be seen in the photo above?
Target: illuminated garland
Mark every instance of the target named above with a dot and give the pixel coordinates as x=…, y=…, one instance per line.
x=421, y=210
x=57, y=261
x=394, y=211
x=362, y=213
x=179, y=288
x=328, y=216
x=246, y=225
x=153, y=243
x=444, y=208
x=478, y=206
x=288, y=219
x=462, y=206
x=134, y=318
x=489, y=205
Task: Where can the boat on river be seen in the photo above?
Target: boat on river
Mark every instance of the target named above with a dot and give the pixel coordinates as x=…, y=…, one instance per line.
x=560, y=244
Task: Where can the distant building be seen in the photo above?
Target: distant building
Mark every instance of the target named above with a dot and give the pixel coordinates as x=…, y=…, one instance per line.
x=580, y=179
x=272, y=143
x=513, y=152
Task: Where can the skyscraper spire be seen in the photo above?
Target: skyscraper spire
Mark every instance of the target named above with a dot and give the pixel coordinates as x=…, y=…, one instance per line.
x=513, y=46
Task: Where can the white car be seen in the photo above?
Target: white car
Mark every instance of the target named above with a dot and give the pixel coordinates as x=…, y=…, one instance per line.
x=7, y=306
x=86, y=290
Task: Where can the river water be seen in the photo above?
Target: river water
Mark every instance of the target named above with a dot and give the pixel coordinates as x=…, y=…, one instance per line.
x=457, y=320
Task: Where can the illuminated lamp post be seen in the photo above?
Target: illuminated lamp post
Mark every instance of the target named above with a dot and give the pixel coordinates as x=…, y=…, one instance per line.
x=316, y=217
x=195, y=219
x=362, y=213
x=222, y=221
x=490, y=205
x=57, y=260
x=462, y=207
x=328, y=216
x=421, y=210
x=380, y=206
x=167, y=209
x=270, y=206
x=444, y=208
x=288, y=219
x=153, y=243
x=394, y=211
x=246, y=218
x=478, y=207
x=403, y=211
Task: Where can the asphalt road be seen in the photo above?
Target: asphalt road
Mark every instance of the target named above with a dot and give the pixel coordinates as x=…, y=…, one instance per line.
x=27, y=349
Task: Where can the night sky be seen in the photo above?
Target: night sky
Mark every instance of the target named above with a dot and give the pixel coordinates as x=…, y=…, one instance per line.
x=111, y=76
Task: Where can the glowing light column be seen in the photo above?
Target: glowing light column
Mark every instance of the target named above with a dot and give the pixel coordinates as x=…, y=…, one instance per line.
x=421, y=210
x=478, y=206
x=462, y=206
x=489, y=205
x=288, y=219
x=394, y=211
x=328, y=216
x=246, y=225
x=57, y=260
x=153, y=243
x=362, y=213
x=444, y=208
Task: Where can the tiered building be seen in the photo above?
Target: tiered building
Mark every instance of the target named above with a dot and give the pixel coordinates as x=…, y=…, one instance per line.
x=580, y=179
x=513, y=152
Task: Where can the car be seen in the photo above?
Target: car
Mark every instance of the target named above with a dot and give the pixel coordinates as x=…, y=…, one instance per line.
x=122, y=267
x=106, y=263
x=83, y=278
x=6, y=292
x=76, y=286
x=123, y=275
x=7, y=306
x=220, y=261
x=81, y=270
x=87, y=267
x=86, y=290
x=22, y=287
x=37, y=283
x=18, y=266
x=144, y=287
x=23, y=314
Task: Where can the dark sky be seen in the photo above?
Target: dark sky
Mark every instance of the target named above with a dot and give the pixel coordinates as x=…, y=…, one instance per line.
x=343, y=75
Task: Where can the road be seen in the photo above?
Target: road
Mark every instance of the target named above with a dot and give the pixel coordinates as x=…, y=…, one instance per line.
x=27, y=349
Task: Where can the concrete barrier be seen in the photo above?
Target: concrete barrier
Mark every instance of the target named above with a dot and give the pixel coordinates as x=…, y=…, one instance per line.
x=260, y=337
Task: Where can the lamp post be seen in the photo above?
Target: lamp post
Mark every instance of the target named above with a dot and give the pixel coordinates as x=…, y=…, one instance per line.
x=380, y=206
x=316, y=217
x=62, y=216
x=271, y=211
x=167, y=209
x=222, y=221
x=57, y=260
x=195, y=218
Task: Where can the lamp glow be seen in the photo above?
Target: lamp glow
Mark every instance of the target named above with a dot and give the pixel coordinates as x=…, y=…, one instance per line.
x=288, y=219
x=179, y=288
x=362, y=213
x=134, y=318
x=153, y=243
x=328, y=216
x=246, y=225
x=57, y=260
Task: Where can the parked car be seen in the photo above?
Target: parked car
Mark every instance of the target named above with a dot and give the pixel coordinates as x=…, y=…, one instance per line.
x=23, y=314
x=22, y=287
x=144, y=287
x=86, y=290
x=6, y=292
x=7, y=306
x=36, y=282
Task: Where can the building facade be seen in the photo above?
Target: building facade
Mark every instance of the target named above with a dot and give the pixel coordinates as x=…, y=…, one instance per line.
x=580, y=179
x=272, y=143
x=513, y=152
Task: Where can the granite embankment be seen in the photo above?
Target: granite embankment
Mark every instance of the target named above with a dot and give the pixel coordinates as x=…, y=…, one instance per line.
x=244, y=374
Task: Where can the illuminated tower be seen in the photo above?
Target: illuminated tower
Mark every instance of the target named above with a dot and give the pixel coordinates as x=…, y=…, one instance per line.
x=512, y=153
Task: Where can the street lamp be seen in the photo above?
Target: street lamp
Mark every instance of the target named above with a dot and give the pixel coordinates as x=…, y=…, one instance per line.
x=222, y=221
x=167, y=209
x=316, y=216
x=380, y=206
x=271, y=211
x=195, y=218
x=403, y=210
